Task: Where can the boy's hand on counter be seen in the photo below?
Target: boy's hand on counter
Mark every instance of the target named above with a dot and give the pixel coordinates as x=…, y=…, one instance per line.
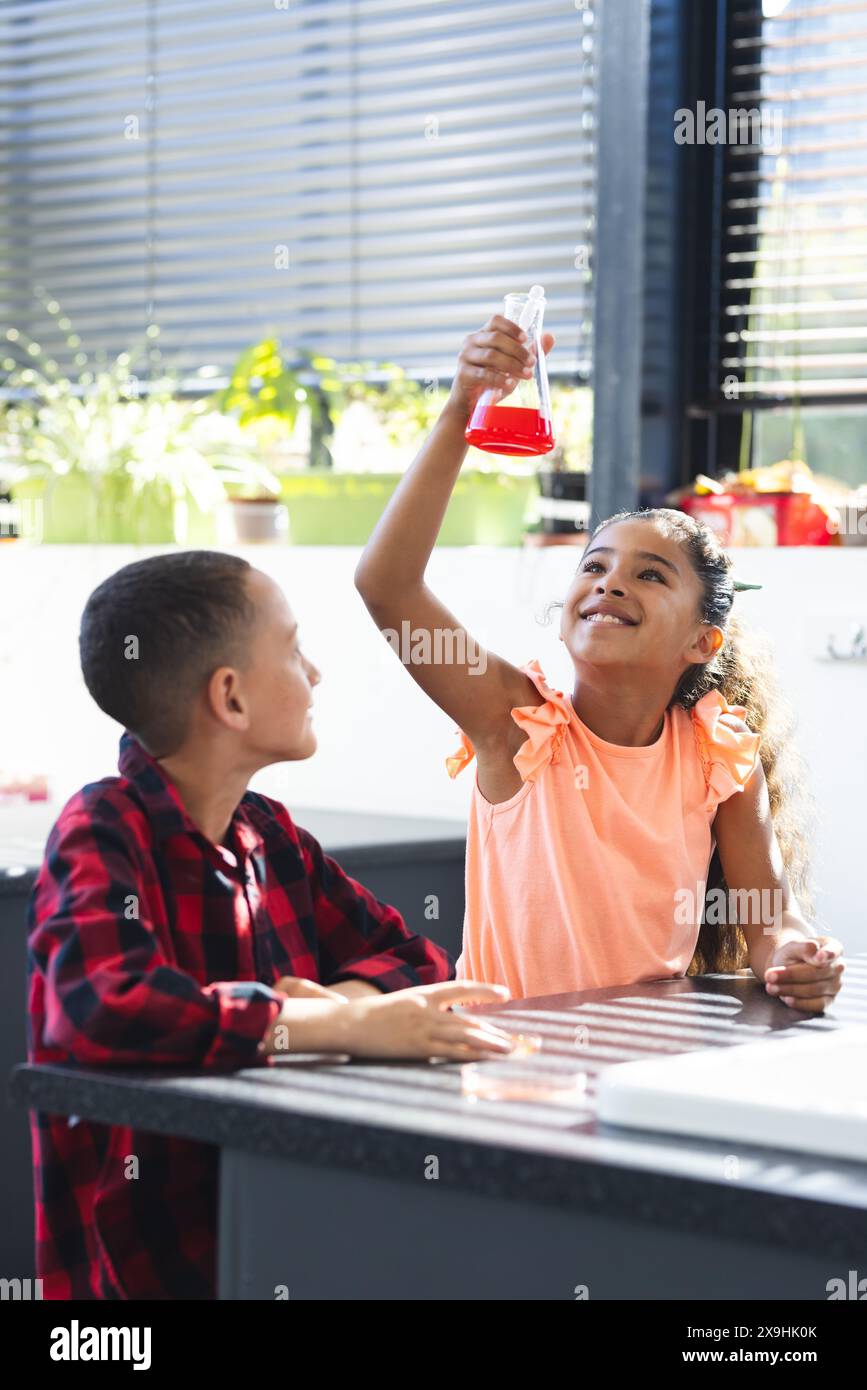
x=295, y=987
x=355, y=989
x=806, y=974
x=416, y=1023
x=496, y=357
x=408, y=1023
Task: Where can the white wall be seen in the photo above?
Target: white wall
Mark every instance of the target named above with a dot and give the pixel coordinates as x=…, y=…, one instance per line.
x=382, y=745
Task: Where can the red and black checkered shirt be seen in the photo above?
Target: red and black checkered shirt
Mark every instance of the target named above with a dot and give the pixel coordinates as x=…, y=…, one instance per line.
x=151, y=946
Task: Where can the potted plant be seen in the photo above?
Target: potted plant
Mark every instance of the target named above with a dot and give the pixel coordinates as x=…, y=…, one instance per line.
x=366, y=422
x=104, y=458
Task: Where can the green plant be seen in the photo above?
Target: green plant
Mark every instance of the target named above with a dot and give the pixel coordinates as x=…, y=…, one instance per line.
x=106, y=423
x=266, y=396
x=262, y=387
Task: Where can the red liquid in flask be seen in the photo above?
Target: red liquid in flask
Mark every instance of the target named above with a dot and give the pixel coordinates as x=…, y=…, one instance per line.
x=509, y=429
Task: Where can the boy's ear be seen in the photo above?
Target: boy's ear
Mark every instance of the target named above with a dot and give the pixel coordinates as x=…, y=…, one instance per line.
x=226, y=698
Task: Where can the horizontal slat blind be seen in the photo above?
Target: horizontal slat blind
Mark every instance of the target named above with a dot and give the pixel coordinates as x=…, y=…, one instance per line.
x=794, y=272
x=362, y=177
x=75, y=189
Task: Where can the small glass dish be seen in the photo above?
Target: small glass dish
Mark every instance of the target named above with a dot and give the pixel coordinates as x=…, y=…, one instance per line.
x=526, y=1081
x=525, y=1044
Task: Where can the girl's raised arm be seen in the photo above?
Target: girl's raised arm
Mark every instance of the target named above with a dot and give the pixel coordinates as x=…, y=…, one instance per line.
x=477, y=689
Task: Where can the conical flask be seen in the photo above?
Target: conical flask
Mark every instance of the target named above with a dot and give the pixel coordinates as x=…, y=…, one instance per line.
x=518, y=422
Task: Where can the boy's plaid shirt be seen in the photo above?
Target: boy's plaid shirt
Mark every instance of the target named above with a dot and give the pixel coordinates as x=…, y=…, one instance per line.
x=150, y=946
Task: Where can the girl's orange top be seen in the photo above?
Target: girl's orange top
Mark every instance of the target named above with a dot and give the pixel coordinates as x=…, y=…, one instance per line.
x=593, y=873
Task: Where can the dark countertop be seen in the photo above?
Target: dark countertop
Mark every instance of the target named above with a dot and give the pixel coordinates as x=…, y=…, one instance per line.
x=353, y=837
x=385, y=1118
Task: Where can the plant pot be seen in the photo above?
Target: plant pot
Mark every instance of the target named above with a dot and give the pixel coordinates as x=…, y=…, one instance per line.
x=258, y=520
x=130, y=516
x=88, y=509
x=58, y=510
x=564, y=508
x=325, y=508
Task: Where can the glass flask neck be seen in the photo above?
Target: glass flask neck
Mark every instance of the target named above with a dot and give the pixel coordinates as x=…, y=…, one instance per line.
x=515, y=309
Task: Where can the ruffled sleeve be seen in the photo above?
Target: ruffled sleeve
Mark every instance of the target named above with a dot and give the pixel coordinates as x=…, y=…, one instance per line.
x=457, y=761
x=729, y=757
x=545, y=726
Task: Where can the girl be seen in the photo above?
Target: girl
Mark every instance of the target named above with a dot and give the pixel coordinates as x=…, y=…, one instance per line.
x=594, y=817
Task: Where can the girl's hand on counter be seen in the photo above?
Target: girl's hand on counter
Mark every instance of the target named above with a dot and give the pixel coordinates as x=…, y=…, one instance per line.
x=806, y=974
x=497, y=357
x=416, y=1023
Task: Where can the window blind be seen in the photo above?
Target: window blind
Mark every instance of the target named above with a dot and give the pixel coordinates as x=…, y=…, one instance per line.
x=793, y=319
x=364, y=178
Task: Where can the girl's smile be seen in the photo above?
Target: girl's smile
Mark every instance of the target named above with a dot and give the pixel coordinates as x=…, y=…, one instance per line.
x=604, y=614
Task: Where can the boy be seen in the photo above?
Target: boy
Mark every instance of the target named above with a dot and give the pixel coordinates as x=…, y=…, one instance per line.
x=180, y=920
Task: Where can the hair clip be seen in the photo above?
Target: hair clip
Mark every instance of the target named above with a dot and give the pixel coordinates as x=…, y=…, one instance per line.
x=741, y=584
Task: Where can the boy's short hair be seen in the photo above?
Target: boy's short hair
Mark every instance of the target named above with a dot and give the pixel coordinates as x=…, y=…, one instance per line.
x=153, y=633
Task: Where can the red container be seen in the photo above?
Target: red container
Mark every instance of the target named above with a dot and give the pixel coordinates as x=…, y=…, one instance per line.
x=762, y=518
x=509, y=429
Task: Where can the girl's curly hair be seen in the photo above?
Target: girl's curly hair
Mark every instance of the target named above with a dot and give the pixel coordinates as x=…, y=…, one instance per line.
x=743, y=672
